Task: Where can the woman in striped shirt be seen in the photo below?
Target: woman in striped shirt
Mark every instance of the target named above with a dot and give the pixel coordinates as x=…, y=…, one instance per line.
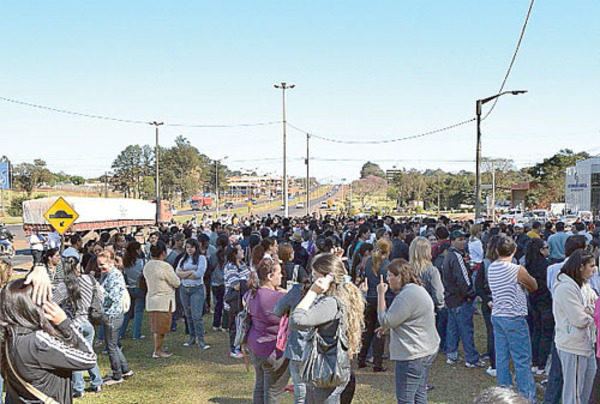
x=75, y=294
x=236, y=275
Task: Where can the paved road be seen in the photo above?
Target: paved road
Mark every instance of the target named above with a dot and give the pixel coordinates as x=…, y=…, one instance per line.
x=23, y=258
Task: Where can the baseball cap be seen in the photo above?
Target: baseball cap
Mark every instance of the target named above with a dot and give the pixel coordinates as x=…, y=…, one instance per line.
x=456, y=234
x=519, y=226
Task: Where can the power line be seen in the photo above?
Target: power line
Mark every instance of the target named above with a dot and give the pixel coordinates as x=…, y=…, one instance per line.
x=512, y=61
x=68, y=112
x=130, y=121
x=432, y=132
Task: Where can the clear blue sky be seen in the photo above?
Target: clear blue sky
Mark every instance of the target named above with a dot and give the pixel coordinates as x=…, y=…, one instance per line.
x=362, y=70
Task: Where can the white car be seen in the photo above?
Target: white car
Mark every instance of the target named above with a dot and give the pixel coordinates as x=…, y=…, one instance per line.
x=300, y=205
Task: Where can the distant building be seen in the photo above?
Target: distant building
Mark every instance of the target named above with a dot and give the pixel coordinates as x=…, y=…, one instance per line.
x=582, y=186
x=518, y=192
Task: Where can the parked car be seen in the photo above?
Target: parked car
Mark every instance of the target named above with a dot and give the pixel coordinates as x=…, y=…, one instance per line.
x=228, y=205
x=300, y=205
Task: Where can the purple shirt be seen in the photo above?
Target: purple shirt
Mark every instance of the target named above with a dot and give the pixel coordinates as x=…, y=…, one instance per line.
x=263, y=332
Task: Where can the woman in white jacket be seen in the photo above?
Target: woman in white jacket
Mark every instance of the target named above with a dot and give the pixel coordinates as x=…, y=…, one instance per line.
x=573, y=335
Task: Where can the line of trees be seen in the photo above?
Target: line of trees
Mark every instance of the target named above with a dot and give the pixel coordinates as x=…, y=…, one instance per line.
x=450, y=190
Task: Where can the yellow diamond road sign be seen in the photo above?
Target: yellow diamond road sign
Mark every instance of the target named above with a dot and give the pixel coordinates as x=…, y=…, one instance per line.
x=61, y=215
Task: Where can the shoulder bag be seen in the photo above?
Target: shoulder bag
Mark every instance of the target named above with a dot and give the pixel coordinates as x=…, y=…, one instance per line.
x=96, y=310
x=243, y=322
x=327, y=365
x=31, y=389
x=283, y=332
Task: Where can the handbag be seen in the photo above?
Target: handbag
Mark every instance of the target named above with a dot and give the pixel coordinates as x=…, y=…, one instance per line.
x=31, y=389
x=283, y=332
x=96, y=310
x=327, y=365
x=243, y=322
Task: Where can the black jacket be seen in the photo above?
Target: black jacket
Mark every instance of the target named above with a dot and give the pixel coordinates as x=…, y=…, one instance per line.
x=456, y=277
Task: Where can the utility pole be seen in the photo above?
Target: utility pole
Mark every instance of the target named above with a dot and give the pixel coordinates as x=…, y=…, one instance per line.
x=284, y=86
x=493, y=192
x=106, y=184
x=217, y=184
x=343, y=202
x=478, y=105
x=156, y=162
x=307, y=175
x=439, y=200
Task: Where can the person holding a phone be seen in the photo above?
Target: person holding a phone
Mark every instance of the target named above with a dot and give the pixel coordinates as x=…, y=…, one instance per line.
x=414, y=341
x=331, y=296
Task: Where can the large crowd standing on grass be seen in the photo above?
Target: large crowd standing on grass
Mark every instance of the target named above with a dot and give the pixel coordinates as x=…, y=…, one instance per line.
x=308, y=300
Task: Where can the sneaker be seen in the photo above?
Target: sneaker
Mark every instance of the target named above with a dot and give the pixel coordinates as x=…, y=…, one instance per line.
x=452, y=361
x=111, y=381
x=429, y=387
x=480, y=364
x=362, y=365
x=540, y=371
x=140, y=337
x=204, y=346
x=491, y=372
x=128, y=375
x=485, y=357
x=190, y=342
x=534, y=369
x=236, y=354
x=78, y=394
x=94, y=389
x=377, y=369
x=216, y=328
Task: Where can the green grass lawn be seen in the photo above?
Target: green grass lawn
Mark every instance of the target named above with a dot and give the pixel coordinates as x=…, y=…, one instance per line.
x=195, y=376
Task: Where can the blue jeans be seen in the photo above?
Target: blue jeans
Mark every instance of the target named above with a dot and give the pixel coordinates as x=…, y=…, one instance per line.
x=511, y=340
x=138, y=304
x=87, y=330
x=411, y=380
x=460, y=327
x=118, y=363
x=555, y=378
x=218, y=291
x=299, y=385
x=192, y=299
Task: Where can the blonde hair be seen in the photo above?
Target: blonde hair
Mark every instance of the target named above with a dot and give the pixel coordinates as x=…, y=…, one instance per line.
x=419, y=254
x=382, y=251
x=5, y=272
x=475, y=231
x=347, y=294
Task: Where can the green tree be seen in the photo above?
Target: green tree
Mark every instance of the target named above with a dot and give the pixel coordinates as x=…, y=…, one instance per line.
x=29, y=176
x=550, y=174
x=371, y=169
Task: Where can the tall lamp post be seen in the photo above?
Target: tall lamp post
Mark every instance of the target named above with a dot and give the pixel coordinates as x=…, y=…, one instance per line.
x=217, y=183
x=156, y=158
x=478, y=105
x=284, y=86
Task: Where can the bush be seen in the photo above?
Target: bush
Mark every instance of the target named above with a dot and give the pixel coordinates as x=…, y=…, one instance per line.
x=16, y=204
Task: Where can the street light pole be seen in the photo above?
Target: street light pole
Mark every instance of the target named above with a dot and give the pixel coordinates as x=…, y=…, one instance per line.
x=307, y=175
x=284, y=86
x=478, y=105
x=217, y=184
x=156, y=162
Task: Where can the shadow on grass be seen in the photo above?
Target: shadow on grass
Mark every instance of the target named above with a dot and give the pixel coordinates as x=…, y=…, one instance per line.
x=225, y=400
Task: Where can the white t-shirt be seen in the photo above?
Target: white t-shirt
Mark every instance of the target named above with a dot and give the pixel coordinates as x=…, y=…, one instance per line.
x=36, y=242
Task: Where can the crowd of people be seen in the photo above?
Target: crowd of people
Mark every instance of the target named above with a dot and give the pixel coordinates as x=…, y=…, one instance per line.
x=316, y=294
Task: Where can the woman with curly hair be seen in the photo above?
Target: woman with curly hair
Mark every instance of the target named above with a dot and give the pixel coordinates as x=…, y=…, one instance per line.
x=332, y=301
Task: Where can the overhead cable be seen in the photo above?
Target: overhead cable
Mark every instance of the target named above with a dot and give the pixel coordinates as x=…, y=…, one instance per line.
x=432, y=132
x=512, y=61
x=131, y=121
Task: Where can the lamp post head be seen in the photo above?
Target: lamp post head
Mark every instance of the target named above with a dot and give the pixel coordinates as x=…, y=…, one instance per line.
x=517, y=92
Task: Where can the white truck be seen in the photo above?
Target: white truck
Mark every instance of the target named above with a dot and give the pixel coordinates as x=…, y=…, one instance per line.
x=95, y=213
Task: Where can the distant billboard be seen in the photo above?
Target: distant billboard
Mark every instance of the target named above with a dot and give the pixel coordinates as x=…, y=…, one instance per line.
x=4, y=177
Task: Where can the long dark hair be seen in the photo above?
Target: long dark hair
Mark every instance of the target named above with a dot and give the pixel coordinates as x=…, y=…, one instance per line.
x=231, y=254
x=48, y=254
x=132, y=254
x=70, y=266
x=534, y=260
x=259, y=251
x=222, y=243
x=196, y=255
x=18, y=313
x=572, y=267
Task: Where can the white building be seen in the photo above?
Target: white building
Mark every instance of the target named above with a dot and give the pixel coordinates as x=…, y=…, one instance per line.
x=582, y=188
